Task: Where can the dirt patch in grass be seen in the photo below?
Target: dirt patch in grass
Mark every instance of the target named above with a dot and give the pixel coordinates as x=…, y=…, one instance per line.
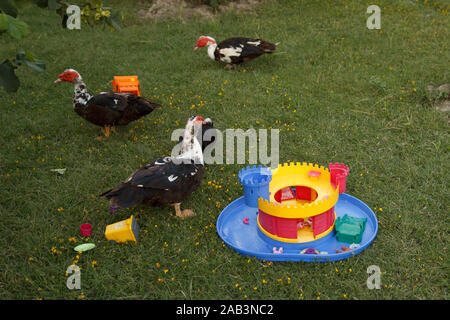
x=441, y=95
x=184, y=10
x=443, y=105
x=440, y=98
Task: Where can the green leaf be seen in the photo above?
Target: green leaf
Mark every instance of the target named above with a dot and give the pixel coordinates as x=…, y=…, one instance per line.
x=41, y=3
x=113, y=23
x=3, y=22
x=95, y=3
x=28, y=58
x=91, y=20
x=114, y=19
x=54, y=5
x=28, y=55
x=8, y=78
x=37, y=65
x=9, y=8
x=22, y=3
x=17, y=28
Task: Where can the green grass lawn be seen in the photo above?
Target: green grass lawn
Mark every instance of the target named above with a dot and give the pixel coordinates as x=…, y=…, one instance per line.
x=337, y=91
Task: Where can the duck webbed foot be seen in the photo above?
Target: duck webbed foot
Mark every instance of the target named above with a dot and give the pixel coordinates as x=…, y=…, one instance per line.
x=107, y=131
x=182, y=213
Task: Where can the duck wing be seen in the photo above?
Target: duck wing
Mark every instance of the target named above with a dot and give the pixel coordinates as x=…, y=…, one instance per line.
x=161, y=181
x=163, y=173
x=109, y=100
x=104, y=109
x=241, y=49
x=110, y=108
x=136, y=108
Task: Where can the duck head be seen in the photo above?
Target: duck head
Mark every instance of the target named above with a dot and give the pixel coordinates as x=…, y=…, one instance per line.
x=69, y=75
x=203, y=137
x=204, y=41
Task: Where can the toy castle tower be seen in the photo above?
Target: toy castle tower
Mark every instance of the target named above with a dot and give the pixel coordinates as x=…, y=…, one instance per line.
x=338, y=173
x=296, y=200
x=255, y=181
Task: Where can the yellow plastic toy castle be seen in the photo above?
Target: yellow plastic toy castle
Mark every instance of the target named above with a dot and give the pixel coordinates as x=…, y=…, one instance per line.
x=300, y=203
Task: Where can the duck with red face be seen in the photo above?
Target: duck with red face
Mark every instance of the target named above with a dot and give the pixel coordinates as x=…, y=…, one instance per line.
x=167, y=180
x=235, y=50
x=105, y=109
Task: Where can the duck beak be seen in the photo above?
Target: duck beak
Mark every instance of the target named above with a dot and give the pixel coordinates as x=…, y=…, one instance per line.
x=59, y=78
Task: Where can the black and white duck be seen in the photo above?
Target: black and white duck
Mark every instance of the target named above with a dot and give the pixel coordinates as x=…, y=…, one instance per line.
x=106, y=109
x=235, y=50
x=168, y=180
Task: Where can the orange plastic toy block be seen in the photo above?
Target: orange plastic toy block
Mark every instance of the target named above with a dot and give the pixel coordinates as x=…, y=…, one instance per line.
x=126, y=84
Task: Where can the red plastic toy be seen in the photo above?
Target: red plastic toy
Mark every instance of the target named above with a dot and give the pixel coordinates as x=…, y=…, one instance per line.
x=86, y=230
x=338, y=173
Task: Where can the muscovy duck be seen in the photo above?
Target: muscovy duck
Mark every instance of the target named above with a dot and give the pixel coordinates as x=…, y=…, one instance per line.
x=106, y=109
x=165, y=181
x=204, y=136
x=235, y=50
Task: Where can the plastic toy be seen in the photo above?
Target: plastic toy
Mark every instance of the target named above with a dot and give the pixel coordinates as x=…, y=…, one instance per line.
x=123, y=231
x=126, y=84
x=310, y=251
x=84, y=247
x=295, y=206
x=60, y=171
x=280, y=250
x=344, y=249
x=86, y=230
x=350, y=229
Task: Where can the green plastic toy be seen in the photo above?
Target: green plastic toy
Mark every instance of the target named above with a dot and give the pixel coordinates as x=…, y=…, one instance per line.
x=350, y=229
x=84, y=247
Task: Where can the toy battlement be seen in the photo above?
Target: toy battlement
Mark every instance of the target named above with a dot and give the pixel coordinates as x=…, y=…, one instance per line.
x=293, y=167
x=255, y=176
x=296, y=211
x=255, y=181
x=340, y=167
x=338, y=175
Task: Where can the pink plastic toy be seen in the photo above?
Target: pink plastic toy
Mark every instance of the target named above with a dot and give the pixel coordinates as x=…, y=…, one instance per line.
x=86, y=230
x=313, y=173
x=274, y=249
